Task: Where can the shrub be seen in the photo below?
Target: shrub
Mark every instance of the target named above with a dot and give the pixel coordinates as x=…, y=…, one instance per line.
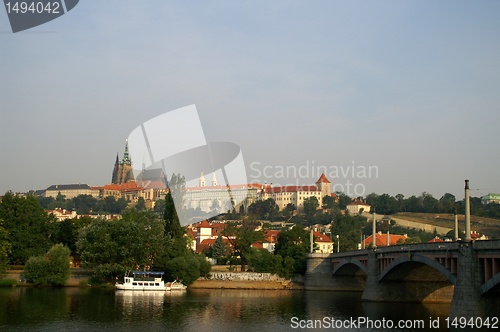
x=8, y=282
x=50, y=269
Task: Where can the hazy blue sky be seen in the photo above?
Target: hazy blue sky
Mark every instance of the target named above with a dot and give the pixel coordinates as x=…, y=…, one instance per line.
x=411, y=88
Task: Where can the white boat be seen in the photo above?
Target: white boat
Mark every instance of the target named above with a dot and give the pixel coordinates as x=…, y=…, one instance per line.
x=143, y=281
x=176, y=285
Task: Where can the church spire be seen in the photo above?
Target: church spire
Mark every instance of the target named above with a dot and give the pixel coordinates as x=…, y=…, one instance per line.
x=126, y=157
x=201, y=180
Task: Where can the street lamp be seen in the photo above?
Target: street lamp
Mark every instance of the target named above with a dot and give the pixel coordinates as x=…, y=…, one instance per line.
x=338, y=243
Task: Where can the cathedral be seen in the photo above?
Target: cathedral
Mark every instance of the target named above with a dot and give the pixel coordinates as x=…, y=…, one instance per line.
x=122, y=172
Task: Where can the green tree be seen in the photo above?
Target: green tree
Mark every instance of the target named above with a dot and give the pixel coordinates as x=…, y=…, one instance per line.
x=311, y=205
x=187, y=268
x=219, y=250
x=241, y=238
x=448, y=202
x=430, y=204
x=29, y=227
x=141, y=204
x=261, y=260
x=387, y=204
x=84, y=204
x=293, y=245
x=329, y=203
x=343, y=200
x=5, y=248
x=66, y=232
x=50, y=269
x=267, y=210
x=136, y=241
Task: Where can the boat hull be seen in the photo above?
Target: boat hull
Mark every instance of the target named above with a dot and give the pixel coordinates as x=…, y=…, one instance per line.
x=140, y=288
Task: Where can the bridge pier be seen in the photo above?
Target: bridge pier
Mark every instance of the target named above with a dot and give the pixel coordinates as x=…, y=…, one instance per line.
x=373, y=291
x=467, y=300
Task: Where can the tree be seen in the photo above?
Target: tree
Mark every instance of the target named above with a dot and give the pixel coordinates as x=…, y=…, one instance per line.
x=141, y=204
x=293, y=245
x=343, y=200
x=67, y=231
x=329, y=203
x=28, y=225
x=219, y=250
x=50, y=269
x=448, y=202
x=115, y=246
x=5, y=248
x=400, y=198
x=430, y=204
x=84, y=204
x=267, y=210
x=386, y=204
x=311, y=205
x=241, y=239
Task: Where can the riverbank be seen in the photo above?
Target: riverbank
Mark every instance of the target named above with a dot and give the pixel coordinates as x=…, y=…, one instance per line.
x=245, y=284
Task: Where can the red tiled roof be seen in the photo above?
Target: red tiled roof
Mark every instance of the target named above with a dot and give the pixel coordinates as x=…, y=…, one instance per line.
x=129, y=186
x=271, y=236
x=288, y=189
x=357, y=202
x=381, y=239
x=323, y=179
x=321, y=237
x=436, y=240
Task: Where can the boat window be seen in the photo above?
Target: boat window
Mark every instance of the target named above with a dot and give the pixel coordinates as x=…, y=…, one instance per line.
x=134, y=284
x=157, y=284
x=140, y=284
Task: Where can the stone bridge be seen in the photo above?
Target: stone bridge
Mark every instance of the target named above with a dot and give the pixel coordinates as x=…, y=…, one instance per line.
x=467, y=274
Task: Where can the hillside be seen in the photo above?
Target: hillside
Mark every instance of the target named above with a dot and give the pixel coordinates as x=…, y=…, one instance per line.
x=483, y=225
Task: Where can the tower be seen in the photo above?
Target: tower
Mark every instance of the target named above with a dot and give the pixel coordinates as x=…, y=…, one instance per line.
x=214, y=180
x=201, y=180
x=324, y=186
x=122, y=172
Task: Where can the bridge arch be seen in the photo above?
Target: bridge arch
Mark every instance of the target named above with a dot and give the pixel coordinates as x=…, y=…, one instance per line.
x=417, y=259
x=490, y=284
x=349, y=267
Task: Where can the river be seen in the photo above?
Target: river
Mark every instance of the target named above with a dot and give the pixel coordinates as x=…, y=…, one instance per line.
x=77, y=309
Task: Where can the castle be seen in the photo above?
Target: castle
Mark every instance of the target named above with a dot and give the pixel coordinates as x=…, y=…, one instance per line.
x=122, y=172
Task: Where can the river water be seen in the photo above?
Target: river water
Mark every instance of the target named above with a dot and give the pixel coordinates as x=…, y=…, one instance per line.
x=76, y=309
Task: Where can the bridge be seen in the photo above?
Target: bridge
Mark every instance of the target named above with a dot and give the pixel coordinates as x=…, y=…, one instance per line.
x=465, y=274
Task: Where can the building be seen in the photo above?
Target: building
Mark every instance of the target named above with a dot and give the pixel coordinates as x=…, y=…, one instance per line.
x=384, y=240
x=62, y=214
x=122, y=172
x=323, y=243
x=357, y=206
x=491, y=198
x=220, y=198
x=70, y=191
x=296, y=195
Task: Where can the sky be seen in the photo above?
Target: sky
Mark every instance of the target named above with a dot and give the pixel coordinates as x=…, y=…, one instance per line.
x=405, y=93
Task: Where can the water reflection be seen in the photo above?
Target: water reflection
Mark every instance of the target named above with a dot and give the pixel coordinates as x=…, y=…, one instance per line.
x=25, y=309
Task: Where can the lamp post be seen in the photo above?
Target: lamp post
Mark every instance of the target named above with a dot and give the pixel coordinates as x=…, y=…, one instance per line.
x=360, y=239
x=467, y=212
x=338, y=243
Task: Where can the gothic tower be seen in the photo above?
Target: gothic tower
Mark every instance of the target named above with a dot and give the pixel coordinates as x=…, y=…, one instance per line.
x=122, y=172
